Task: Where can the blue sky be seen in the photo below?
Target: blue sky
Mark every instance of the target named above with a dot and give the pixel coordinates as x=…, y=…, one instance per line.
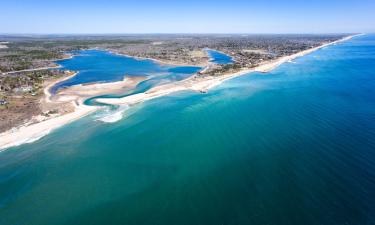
x=188, y=16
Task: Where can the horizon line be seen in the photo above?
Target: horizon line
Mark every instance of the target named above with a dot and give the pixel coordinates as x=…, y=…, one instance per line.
x=187, y=33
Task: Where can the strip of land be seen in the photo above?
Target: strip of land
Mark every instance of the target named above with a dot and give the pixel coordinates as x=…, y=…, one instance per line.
x=76, y=95
x=203, y=84
x=71, y=99
x=30, y=70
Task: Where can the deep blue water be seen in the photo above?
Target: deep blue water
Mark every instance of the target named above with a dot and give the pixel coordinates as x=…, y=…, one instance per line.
x=219, y=57
x=103, y=66
x=294, y=146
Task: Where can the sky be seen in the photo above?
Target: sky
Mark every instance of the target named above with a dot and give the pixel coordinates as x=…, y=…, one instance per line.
x=187, y=16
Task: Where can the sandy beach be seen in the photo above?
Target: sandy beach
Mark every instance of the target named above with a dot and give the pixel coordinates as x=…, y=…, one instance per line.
x=79, y=92
x=203, y=84
x=76, y=95
x=72, y=99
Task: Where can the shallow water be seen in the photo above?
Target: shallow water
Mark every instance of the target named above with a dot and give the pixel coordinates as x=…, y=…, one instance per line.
x=294, y=146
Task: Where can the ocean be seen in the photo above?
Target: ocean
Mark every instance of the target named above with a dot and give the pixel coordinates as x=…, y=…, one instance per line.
x=293, y=146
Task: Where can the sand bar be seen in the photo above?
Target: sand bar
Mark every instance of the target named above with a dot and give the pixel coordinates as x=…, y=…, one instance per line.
x=73, y=96
x=203, y=84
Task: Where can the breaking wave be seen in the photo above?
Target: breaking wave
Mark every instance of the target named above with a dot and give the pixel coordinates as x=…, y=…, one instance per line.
x=110, y=114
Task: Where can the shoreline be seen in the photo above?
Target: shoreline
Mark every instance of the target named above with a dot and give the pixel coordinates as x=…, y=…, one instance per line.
x=57, y=66
x=30, y=133
x=74, y=96
x=46, y=91
x=161, y=62
x=29, y=70
x=219, y=51
x=203, y=84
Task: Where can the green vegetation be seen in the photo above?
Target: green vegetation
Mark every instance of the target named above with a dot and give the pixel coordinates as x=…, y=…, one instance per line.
x=26, y=82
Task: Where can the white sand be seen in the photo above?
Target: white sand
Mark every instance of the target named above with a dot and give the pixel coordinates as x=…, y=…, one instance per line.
x=75, y=96
x=29, y=133
x=207, y=82
x=80, y=91
x=33, y=132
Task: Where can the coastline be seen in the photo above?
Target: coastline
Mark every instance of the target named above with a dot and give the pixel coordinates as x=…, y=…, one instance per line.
x=67, y=56
x=161, y=62
x=32, y=132
x=47, y=93
x=28, y=133
x=203, y=84
x=73, y=97
x=29, y=70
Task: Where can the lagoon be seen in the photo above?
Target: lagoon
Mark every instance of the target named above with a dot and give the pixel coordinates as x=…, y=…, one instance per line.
x=103, y=66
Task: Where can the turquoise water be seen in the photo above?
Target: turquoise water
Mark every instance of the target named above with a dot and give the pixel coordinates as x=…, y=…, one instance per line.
x=103, y=66
x=219, y=57
x=294, y=146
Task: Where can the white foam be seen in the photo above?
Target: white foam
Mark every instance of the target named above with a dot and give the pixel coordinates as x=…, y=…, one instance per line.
x=111, y=116
x=26, y=140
